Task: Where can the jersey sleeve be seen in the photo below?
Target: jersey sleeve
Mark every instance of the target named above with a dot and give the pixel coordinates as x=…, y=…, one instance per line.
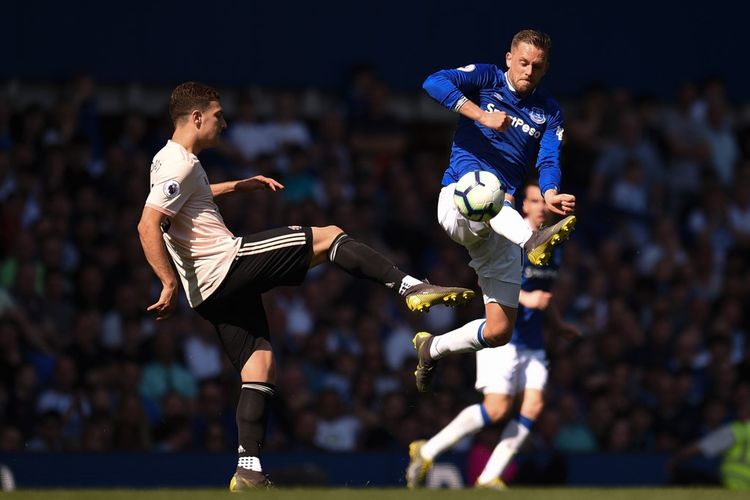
x=171, y=188
x=548, y=159
x=449, y=86
x=717, y=441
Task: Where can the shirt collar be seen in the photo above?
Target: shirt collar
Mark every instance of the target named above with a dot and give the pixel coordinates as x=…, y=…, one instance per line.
x=512, y=89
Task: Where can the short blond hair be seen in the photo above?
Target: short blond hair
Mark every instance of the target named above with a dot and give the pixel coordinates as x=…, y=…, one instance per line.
x=536, y=38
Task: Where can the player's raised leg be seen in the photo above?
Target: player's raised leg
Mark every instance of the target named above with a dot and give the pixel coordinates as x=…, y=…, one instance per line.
x=537, y=244
x=333, y=244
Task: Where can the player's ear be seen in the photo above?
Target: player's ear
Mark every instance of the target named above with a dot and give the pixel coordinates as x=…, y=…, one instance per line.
x=508, y=58
x=197, y=117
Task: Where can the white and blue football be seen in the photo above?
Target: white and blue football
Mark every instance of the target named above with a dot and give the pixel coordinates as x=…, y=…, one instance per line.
x=479, y=195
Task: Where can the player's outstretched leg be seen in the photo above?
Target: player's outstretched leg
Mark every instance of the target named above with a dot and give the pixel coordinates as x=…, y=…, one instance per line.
x=424, y=295
x=361, y=261
x=539, y=246
x=416, y=472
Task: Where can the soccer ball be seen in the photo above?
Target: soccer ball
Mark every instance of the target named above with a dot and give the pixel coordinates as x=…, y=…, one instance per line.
x=479, y=195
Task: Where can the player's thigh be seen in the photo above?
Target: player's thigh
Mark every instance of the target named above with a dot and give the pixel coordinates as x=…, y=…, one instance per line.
x=500, y=260
x=241, y=324
x=497, y=371
x=533, y=378
x=459, y=228
x=497, y=405
x=277, y=257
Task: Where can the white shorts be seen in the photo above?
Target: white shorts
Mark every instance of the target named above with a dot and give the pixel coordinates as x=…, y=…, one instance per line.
x=496, y=260
x=508, y=370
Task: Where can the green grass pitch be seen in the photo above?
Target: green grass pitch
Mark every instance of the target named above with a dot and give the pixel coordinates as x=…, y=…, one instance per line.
x=391, y=494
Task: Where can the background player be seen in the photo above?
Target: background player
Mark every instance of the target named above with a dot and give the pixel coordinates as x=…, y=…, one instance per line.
x=518, y=368
x=224, y=276
x=732, y=442
x=512, y=126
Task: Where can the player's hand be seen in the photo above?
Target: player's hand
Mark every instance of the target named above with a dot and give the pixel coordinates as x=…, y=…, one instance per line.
x=166, y=303
x=569, y=331
x=560, y=203
x=537, y=299
x=259, y=182
x=497, y=120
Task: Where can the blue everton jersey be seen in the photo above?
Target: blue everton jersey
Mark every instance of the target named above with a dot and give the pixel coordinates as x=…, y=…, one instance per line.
x=534, y=137
x=528, y=332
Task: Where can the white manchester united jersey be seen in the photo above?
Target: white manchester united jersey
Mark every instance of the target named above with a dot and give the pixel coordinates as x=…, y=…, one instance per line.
x=201, y=246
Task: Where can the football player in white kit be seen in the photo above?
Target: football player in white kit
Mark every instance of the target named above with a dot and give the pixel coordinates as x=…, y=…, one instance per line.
x=517, y=369
x=224, y=275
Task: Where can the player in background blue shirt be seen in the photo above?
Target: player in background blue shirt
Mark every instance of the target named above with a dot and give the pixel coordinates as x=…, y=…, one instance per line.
x=516, y=369
x=507, y=126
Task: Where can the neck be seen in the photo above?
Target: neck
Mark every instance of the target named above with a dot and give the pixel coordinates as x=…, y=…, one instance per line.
x=187, y=139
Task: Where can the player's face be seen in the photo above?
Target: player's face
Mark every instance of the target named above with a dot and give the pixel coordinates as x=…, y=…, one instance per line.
x=526, y=67
x=534, y=206
x=212, y=124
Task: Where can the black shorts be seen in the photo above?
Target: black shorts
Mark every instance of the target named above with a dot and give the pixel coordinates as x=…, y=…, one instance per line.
x=277, y=257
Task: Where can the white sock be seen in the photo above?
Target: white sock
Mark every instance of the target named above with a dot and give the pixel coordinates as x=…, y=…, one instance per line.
x=250, y=463
x=408, y=282
x=509, y=223
x=470, y=420
x=513, y=437
x=467, y=338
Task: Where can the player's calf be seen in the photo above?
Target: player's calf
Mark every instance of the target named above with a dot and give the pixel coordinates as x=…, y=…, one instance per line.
x=361, y=261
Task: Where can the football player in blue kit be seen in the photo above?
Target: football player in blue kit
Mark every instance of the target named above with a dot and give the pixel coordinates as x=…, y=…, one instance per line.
x=518, y=369
x=507, y=125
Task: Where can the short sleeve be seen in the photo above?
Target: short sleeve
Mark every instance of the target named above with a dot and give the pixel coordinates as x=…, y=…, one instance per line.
x=716, y=442
x=171, y=188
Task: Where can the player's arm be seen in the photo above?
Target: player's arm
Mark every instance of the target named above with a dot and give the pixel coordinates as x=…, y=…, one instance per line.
x=711, y=445
x=450, y=86
x=534, y=299
x=548, y=165
x=245, y=185
x=150, y=233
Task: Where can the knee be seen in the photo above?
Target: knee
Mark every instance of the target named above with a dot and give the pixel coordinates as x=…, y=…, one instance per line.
x=329, y=234
x=260, y=365
x=495, y=411
x=497, y=333
x=323, y=237
x=532, y=409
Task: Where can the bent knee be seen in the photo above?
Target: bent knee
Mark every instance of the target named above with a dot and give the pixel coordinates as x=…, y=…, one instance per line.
x=532, y=410
x=496, y=335
x=495, y=412
x=334, y=230
x=323, y=236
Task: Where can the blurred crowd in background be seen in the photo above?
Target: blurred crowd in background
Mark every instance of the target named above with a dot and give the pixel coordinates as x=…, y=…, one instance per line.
x=657, y=275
